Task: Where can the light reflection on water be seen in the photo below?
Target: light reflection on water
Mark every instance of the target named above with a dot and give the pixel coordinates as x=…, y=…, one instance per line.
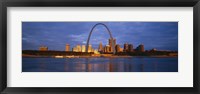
x=134, y=64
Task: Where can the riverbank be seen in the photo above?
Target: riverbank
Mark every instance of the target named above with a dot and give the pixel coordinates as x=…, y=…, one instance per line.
x=96, y=56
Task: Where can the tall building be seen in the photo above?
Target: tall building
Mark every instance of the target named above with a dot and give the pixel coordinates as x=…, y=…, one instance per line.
x=74, y=49
x=83, y=48
x=90, y=48
x=110, y=43
x=140, y=48
x=78, y=48
x=107, y=48
x=130, y=48
x=121, y=49
x=100, y=47
x=117, y=48
x=43, y=48
x=67, y=47
x=126, y=47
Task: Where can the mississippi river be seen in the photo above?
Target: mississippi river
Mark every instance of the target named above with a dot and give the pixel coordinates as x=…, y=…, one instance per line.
x=132, y=64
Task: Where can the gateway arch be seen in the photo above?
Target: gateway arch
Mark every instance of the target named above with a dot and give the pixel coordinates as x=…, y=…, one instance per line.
x=88, y=40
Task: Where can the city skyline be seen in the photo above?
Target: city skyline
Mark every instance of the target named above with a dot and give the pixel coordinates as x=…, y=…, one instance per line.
x=104, y=48
x=55, y=35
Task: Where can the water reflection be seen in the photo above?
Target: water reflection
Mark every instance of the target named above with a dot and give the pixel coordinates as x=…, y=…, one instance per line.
x=100, y=65
x=93, y=66
x=42, y=66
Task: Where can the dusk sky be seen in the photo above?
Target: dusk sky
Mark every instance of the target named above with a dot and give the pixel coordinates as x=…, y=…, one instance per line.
x=55, y=35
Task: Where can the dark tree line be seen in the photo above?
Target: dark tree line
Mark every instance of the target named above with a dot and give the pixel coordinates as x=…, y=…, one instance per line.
x=64, y=53
x=54, y=53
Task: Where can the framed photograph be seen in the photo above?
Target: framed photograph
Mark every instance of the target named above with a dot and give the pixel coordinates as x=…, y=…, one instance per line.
x=74, y=46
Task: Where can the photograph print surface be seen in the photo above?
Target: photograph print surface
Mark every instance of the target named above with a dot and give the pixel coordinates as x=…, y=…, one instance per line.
x=100, y=46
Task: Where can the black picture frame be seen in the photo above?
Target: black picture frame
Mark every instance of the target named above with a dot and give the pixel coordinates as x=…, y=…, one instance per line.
x=101, y=3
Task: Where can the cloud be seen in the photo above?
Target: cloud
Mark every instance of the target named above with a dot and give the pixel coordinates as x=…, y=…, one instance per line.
x=56, y=34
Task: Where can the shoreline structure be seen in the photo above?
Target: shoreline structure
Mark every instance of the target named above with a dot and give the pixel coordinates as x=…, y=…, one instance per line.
x=64, y=54
x=100, y=56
